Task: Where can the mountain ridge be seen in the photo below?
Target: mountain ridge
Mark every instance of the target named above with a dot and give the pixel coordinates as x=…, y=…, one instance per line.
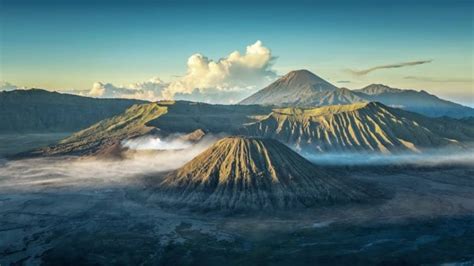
x=360, y=127
x=42, y=111
x=376, y=89
x=297, y=89
x=416, y=101
x=160, y=118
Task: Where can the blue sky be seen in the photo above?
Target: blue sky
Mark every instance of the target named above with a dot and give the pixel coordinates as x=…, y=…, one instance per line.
x=72, y=44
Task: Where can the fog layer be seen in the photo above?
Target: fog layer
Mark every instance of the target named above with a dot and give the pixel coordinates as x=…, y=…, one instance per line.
x=156, y=143
x=165, y=156
x=435, y=157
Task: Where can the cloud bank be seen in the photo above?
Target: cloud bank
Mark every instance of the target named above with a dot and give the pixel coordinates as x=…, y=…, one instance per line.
x=399, y=65
x=444, y=156
x=226, y=80
x=156, y=143
x=148, y=90
x=235, y=72
x=6, y=86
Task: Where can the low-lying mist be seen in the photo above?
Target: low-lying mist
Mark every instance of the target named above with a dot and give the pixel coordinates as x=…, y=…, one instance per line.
x=152, y=156
x=427, y=158
x=157, y=143
x=148, y=156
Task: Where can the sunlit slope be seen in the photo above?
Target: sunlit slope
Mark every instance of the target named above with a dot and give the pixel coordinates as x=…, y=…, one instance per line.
x=107, y=134
x=371, y=127
x=160, y=118
x=254, y=173
x=301, y=88
x=355, y=127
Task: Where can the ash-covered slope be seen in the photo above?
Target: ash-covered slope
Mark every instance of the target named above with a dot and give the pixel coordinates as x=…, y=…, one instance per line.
x=240, y=173
x=301, y=88
x=360, y=127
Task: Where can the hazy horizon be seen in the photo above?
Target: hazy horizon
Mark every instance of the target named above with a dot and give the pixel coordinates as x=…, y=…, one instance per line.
x=227, y=51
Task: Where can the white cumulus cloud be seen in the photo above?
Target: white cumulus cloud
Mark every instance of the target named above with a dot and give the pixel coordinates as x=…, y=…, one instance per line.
x=147, y=90
x=227, y=80
x=232, y=73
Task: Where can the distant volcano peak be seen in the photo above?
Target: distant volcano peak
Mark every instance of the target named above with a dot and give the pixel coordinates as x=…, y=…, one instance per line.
x=304, y=79
x=301, y=74
x=301, y=88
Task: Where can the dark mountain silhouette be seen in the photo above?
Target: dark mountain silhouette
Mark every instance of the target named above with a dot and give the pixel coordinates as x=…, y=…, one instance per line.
x=41, y=111
x=416, y=101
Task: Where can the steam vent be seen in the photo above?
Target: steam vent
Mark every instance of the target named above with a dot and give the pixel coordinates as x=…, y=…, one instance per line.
x=243, y=173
